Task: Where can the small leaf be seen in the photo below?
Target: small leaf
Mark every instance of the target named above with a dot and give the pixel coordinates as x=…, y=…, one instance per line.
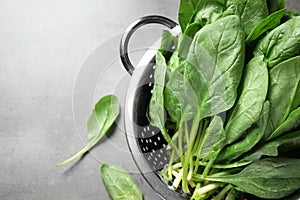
x=104, y=115
x=119, y=184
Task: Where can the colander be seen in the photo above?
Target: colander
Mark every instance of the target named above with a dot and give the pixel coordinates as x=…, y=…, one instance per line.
x=148, y=148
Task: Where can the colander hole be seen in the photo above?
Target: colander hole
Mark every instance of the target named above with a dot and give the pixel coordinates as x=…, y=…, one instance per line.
x=158, y=138
x=142, y=141
x=153, y=150
x=143, y=134
x=149, y=158
x=145, y=129
x=155, y=159
x=154, y=162
x=164, y=145
x=159, y=155
x=161, y=163
x=165, y=158
x=151, y=154
x=148, y=128
x=150, y=84
x=150, y=140
x=151, y=91
x=154, y=67
x=146, y=148
x=161, y=151
x=155, y=143
x=153, y=133
x=147, y=141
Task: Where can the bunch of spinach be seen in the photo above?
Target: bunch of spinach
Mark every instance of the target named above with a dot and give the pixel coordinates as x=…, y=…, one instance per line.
x=231, y=88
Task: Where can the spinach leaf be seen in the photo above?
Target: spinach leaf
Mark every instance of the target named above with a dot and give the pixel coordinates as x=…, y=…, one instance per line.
x=156, y=106
x=251, y=12
x=252, y=137
x=267, y=178
x=284, y=90
x=104, y=115
x=292, y=122
x=275, y=5
x=270, y=22
x=282, y=43
x=186, y=10
x=214, y=139
x=291, y=140
x=167, y=42
x=119, y=183
x=208, y=11
x=214, y=66
x=246, y=111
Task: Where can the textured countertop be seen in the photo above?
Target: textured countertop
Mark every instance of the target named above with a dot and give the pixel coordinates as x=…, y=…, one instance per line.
x=56, y=59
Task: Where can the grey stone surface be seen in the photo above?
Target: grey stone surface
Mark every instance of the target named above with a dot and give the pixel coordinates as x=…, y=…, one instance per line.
x=47, y=54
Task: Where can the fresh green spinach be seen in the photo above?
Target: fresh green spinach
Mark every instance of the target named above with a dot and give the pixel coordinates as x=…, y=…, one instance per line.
x=103, y=117
x=119, y=183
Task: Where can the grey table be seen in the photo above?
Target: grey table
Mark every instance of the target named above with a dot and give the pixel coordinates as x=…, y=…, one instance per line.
x=54, y=64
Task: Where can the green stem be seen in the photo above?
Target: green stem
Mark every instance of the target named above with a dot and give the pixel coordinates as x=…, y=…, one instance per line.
x=232, y=195
x=226, y=166
x=207, y=188
x=169, y=140
x=221, y=194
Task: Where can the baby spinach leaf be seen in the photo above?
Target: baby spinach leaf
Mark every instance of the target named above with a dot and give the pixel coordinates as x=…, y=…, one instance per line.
x=275, y=5
x=208, y=11
x=270, y=22
x=104, y=115
x=214, y=139
x=291, y=140
x=214, y=66
x=251, y=12
x=292, y=122
x=246, y=111
x=186, y=10
x=252, y=137
x=119, y=183
x=284, y=90
x=156, y=106
x=267, y=178
x=167, y=42
x=282, y=43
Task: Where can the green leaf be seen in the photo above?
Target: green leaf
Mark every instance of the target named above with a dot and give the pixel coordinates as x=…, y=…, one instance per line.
x=104, y=115
x=214, y=139
x=214, y=66
x=251, y=12
x=284, y=90
x=119, y=184
x=268, y=178
x=291, y=140
x=266, y=24
x=251, y=138
x=254, y=89
x=282, y=43
x=207, y=12
x=167, y=42
x=292, y=122
x=186, y=10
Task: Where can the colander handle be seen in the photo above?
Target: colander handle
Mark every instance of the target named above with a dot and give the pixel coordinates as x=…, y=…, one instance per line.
x=151, y=19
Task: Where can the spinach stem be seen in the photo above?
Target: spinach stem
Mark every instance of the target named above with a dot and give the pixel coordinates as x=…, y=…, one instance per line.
x=221, y=194
x=209, y=187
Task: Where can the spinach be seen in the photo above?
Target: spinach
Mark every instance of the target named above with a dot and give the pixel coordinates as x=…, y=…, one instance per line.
x=246, y=111
x=270, y=22
x=251, y=12
x=167, y=42
x=119, y=183
x=156, y=106
x=292, y=122
x=284, y=90
x=208, y=11
x=259, y=178
x=282, y=43
x=103, y=117
x=252, y=137
x=290, y=140
x=186, y=10
x=214, y=66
